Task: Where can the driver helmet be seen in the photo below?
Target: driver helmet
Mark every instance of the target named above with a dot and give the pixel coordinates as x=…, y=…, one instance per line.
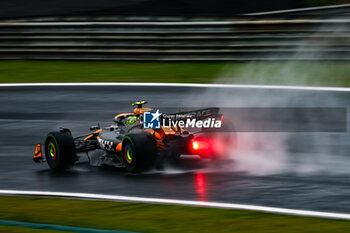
x=131, y=120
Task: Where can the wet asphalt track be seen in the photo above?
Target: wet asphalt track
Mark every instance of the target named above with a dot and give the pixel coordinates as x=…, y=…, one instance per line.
x=291, y=170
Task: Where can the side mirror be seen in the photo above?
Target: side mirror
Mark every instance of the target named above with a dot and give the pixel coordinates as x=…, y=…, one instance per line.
x=95, y=127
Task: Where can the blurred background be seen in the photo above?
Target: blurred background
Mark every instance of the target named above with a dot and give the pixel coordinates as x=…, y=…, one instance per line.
x=181, y=30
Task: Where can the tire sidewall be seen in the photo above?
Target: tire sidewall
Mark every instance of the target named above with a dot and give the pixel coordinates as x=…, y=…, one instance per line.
x=127, y=141
x=64, y=146
x=51, y=139
x=144, y=152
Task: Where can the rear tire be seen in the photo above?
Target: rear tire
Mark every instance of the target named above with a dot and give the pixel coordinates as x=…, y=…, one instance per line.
x=60, y=150
x=139, y=152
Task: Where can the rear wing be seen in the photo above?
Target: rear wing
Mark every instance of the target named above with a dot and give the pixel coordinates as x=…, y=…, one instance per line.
x=200, y=114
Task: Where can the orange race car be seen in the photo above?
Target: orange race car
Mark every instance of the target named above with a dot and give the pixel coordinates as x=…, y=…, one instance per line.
x=140, y=140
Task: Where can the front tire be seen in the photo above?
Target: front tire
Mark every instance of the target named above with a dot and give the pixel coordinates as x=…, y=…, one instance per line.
x=139, y=152
x=60, y=150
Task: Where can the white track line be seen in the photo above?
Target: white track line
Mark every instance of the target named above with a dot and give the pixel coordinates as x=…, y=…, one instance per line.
x=300, y=9
x=179, y=23
x=178, y=202
x=209, y=85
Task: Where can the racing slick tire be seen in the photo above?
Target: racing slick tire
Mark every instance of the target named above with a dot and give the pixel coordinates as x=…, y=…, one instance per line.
x=60, y=150
x=139, y=152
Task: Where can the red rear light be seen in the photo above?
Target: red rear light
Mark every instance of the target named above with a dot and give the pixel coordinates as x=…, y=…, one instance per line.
x=200, y=145
x=209, y=145
x=195, y=145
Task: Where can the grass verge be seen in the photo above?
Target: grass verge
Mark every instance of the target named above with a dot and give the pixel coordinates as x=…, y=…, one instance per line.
x=11, y=229
x=271, y=73
x=157, y=218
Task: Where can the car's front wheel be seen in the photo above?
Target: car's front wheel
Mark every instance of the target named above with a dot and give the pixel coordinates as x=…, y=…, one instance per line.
x=60, y=150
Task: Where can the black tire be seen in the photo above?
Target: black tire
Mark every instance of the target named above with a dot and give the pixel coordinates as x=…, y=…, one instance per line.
x=60, y=150
x=139, y=152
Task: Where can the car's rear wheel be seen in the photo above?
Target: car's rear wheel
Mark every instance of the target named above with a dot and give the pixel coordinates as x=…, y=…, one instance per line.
x=139, y=152
x=60, y=150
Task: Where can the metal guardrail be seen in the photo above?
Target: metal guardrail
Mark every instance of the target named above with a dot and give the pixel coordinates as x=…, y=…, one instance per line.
x=221, y=40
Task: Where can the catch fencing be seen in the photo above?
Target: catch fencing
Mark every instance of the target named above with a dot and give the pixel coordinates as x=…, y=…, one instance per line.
x=180, y=40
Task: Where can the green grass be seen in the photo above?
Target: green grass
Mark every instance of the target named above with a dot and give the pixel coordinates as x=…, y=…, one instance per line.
x=60, y=71
x=157, y=218
x=8, y=229
x=272, y=73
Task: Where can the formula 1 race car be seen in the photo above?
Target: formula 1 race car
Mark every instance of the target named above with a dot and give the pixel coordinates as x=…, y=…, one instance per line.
x=138, y=148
